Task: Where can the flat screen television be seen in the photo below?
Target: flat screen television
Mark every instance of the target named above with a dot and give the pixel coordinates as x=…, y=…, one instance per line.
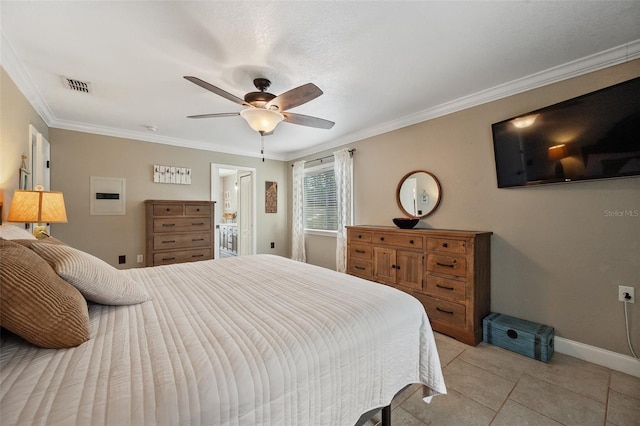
x=594, y=136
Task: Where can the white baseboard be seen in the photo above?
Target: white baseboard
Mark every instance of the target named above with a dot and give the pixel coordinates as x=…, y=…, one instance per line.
x=613, y=360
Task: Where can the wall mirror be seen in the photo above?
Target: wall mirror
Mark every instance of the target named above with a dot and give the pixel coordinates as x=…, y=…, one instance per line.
x=418, y=194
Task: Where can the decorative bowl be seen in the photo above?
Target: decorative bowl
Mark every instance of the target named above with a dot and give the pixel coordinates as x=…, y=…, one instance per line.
x=405, y=222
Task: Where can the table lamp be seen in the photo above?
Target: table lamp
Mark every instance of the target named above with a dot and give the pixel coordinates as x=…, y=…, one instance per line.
x=38, y=207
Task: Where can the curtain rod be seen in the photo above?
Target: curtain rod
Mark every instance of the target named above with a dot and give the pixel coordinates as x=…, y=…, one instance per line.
x=351, y=151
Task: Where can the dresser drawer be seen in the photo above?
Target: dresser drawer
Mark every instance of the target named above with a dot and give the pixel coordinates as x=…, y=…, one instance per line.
x=197, y=209
x=168, y=209
x=450, y=265
x=398, y=240
x=360, y=251
x=447, y=245
x=172, y=241
x=179, y=256
x=181, y=224
x=452, y=314
x=360, y=236
x=361, y=268
x=445, y=288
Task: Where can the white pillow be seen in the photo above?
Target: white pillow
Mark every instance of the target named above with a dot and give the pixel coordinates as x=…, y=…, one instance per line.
x=95, y=279
x=13, y=232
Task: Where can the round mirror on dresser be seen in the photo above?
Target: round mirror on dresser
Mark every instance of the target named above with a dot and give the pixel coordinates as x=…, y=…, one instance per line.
x=418, y=194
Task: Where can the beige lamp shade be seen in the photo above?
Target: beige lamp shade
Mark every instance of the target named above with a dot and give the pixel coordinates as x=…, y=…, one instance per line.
x=37, y=207
x=262, y=120
x=557, y=152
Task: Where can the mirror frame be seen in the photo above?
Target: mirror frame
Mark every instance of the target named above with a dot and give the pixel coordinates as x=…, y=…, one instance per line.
x=404, y=178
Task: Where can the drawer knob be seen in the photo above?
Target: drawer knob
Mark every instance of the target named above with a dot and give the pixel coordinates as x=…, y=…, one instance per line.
x=381, y=238
x=197, y=239
x=168, y=241
x=359, y=267
x=168, y=209
x=410, y=241
x=197, y=255
x=447, y=265
x=444, y=311
x=168, y=224
x=360, y=251
x=198, y=210
x=198, y=224
x=512, y=334
x=168, y=258
x=359, y=236
x=445, y=245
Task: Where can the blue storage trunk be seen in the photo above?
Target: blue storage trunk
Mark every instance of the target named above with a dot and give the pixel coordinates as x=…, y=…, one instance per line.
x=524, y=337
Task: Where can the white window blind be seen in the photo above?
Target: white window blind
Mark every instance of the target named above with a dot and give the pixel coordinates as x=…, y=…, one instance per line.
x=320, y=201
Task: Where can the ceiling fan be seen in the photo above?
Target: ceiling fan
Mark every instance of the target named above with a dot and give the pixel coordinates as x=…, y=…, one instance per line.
x=265, y=110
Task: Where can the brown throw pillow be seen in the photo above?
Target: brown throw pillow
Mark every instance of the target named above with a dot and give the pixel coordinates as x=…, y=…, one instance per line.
x=38, y=305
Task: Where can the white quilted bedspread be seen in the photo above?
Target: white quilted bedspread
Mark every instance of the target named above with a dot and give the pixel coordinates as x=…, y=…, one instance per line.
x=255, y=340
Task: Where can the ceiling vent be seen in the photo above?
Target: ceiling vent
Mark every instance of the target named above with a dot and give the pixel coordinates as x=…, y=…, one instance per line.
x=77, y=85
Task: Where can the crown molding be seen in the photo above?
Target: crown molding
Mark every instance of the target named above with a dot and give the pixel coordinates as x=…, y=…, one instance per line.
x=146, y=137
x=23, y=80
x=617, y=55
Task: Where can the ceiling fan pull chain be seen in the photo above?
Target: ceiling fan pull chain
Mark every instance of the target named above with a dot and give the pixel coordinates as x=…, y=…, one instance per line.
x=262, y=145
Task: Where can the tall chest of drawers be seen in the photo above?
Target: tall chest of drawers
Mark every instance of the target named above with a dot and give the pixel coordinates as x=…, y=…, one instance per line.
x=178, y=231
x=448, y=271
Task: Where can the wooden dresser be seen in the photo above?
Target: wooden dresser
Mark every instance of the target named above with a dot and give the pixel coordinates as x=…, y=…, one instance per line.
x=178, y=231
x=448, y=271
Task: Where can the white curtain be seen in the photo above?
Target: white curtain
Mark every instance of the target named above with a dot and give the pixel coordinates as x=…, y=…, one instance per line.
x=297, y=241
x=343, y=168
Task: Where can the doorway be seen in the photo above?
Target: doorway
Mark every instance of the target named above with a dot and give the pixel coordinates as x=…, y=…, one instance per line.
x=39, y=157
x=233, y=188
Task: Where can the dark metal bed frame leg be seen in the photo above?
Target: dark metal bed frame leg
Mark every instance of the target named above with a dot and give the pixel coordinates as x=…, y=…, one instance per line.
x=386, y=415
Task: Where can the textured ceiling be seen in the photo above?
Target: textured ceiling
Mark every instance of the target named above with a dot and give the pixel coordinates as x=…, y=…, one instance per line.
x=381, y=65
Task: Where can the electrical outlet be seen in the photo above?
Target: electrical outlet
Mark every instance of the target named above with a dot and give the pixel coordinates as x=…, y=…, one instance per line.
x=273, y=245
x=623, y=291
x=140, y=258
x=122, y=259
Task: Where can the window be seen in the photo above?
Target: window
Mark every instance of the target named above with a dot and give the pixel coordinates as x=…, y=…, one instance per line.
x=320, y=202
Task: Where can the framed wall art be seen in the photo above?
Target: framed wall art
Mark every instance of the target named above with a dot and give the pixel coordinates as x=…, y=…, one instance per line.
x=271, y=197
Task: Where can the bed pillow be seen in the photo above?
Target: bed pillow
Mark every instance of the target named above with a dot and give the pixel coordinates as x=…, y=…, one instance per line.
x=97, y=280
x=38, y=305
x=29, y=242
x=13, y=232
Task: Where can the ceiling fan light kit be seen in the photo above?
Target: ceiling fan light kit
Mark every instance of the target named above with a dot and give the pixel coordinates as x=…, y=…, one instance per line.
x=262, y=120
x=268, y=104
x=263, y=110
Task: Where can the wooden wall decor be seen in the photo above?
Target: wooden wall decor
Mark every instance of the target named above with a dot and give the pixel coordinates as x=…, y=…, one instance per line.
x=172, y=174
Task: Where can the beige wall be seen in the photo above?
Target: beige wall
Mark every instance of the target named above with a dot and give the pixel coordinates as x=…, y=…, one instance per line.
x=16, y=113
x=556, y=257
x=77, y=156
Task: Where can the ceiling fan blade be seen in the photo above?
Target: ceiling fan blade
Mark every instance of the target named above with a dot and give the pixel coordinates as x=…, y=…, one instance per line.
x=295, y=97
x=218, y=91
x=220, y=114
x=305, y=120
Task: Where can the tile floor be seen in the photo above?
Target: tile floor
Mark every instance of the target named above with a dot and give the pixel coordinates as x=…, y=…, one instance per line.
x=488, y=385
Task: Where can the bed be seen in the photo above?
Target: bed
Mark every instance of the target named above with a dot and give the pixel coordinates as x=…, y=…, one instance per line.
x=252, y=340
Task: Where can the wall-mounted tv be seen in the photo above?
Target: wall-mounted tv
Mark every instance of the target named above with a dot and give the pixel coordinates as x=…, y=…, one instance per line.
x=594, y=136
